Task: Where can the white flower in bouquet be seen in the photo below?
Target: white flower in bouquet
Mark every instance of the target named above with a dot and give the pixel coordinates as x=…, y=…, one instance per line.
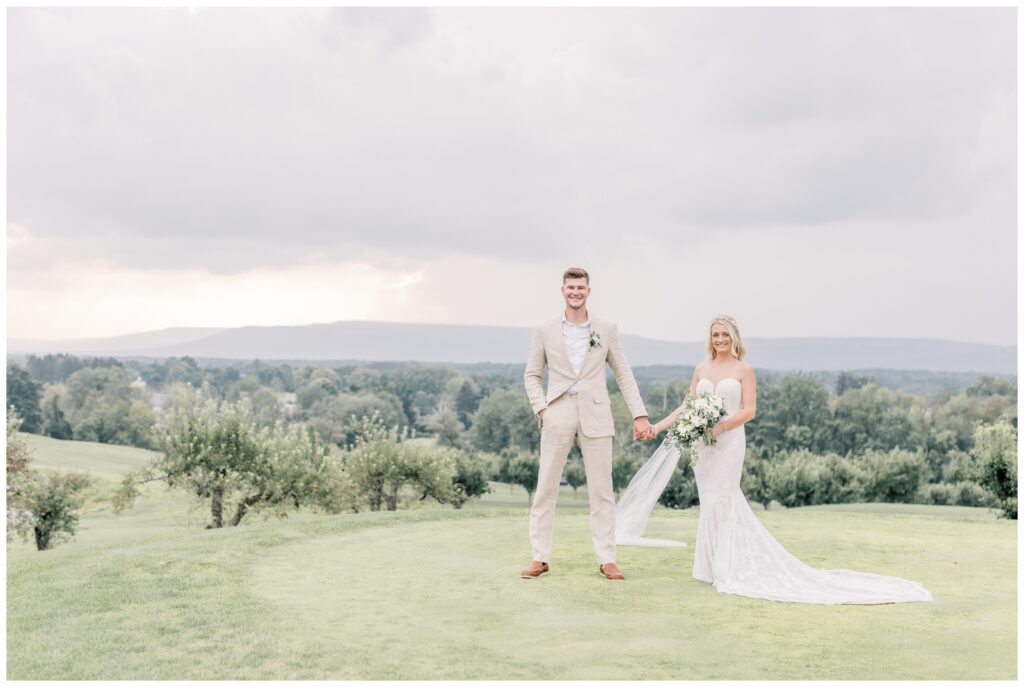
x=696, y=419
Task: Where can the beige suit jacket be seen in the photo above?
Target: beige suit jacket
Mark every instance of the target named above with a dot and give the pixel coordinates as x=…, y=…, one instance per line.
x=548, y=348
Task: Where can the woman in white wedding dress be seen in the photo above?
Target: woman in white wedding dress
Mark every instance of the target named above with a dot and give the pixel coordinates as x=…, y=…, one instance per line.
x=734, y=551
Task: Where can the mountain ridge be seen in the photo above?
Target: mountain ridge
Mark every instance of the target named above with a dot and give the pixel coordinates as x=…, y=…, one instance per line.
x=444, y=343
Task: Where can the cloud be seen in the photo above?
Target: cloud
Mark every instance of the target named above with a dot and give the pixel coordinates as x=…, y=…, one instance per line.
x=88, y=299
x=872, y=282
x=230, y=141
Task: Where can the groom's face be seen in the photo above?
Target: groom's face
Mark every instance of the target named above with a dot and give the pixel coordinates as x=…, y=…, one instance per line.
x=575, y=292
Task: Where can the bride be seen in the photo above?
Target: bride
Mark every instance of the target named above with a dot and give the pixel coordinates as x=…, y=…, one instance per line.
x=735, y=552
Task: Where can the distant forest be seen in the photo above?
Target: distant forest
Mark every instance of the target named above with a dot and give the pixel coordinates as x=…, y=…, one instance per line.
x=649, y=377
x=824, y=437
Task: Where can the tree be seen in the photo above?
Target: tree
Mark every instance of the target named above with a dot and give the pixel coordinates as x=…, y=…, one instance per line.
x=184, y=370
x=419, y=387
x=843, y=480
x=55, y=423
x=575, y=474
x=19, y=474
x=321, y=385
x=279, y=378
x=623, y=442
x=466, y=398
x=358, y=379
x=624, y=467
x=137, y=426
x=802, y=478
x=989, y=401
x=384, y=460
x=428, y=469
x=216, y=451
x=171, y=371
x=263, y=402
x=995, y=464
x=993, y=386
x=293, y=467
x=756, y=478
x=337, y=419
x=667, y=398
x=681, y=491
x=893, y=476
x=470, y=479
x=103, y=407
x=154, y=375
x=445, y=424
x=848, y=380
x=505, y=420
x=957, y=494
x=206, y=448
x=871, y=418
x=23, y=396
x=375, y=462
x=523, y=469
x=791, y=415
x=55, y=369
x=242, y=387
x=44, y=507
x=52, y=502
x=794, y=478
x=221, y=378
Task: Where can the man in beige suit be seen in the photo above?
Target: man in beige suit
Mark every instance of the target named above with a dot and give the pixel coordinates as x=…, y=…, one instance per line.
x=575, y=349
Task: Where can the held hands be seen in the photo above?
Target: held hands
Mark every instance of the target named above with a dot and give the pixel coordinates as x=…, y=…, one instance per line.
x=643, y=430
x=642, y=427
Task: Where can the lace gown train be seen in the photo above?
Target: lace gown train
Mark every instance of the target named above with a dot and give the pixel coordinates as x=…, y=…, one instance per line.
x=734, y=551
x=737, y=555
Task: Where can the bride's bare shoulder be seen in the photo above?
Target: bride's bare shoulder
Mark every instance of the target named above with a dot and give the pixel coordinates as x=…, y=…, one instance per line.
x=746, y=369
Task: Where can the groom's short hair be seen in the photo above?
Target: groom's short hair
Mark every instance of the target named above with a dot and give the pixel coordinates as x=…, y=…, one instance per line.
x=575, y=273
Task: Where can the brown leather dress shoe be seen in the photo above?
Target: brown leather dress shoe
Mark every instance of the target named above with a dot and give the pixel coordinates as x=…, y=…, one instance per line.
x=535, y=570
x=610, y=571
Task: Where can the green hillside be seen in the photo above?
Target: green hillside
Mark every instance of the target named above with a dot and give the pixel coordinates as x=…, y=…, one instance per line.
x=433, y=593
x=101, y=460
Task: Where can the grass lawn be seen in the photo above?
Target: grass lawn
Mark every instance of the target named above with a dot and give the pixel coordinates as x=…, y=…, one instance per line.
x=433, y=593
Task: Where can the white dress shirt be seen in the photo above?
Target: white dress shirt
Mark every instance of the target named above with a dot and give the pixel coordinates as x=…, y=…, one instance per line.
x=577, y=341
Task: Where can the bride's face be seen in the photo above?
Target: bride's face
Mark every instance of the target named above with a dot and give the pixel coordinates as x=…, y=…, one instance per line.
x=721, y=342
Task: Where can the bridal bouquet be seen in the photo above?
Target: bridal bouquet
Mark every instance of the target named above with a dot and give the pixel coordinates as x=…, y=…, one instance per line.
x=696, y=419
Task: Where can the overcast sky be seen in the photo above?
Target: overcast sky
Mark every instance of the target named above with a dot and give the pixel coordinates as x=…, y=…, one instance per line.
x=825, y=172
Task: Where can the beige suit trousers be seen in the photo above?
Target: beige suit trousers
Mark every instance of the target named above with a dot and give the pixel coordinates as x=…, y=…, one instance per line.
x=561, y=425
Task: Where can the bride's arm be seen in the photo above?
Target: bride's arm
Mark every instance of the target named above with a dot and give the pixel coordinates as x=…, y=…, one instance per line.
x=669, y=419
x=749, y=409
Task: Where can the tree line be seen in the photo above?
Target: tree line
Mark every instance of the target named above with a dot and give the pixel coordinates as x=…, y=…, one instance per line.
x=358, y=437
x=862, y=442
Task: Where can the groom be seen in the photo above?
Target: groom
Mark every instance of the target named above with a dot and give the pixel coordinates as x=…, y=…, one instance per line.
x=576, y=349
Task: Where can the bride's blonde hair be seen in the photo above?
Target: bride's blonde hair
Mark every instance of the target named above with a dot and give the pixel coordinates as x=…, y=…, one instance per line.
x=738, y=349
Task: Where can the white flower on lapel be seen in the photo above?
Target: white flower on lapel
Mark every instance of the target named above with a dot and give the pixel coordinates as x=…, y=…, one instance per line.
x=595, y=339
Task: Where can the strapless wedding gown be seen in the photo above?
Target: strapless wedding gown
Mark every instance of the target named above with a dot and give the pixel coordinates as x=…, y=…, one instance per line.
x=737, y=555
x=734, y=551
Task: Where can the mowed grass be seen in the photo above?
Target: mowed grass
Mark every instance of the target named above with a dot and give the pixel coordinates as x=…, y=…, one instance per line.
x=103, y=461
x=158, y=512
x=434, y=593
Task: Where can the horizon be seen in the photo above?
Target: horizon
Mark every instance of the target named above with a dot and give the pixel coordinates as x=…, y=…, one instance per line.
x=499, y=326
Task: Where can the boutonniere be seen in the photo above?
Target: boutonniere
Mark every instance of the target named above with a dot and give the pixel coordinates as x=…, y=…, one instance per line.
x=595, y=339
